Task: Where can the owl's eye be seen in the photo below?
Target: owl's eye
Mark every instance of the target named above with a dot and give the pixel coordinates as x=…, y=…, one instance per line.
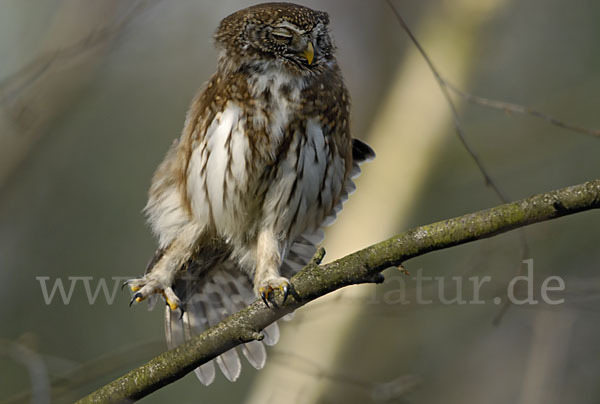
x=282, y=35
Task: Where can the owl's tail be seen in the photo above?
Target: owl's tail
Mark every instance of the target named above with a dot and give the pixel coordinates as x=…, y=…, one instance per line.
x=208, y=300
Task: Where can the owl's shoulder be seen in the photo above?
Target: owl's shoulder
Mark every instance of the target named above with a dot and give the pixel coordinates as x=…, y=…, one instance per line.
x=218, y=91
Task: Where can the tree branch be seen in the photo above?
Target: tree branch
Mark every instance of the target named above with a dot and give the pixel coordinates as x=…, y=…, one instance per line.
x=363, y=266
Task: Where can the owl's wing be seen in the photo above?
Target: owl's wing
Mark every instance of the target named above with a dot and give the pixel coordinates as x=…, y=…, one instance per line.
x=361, y=153
x=305, y=246
x=225, y=289
x=207, y=300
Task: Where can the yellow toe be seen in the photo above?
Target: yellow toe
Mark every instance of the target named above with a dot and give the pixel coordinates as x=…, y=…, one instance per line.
x=172, y=305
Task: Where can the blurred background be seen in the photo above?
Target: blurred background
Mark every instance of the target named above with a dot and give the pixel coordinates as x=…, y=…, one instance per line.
x=93, y=93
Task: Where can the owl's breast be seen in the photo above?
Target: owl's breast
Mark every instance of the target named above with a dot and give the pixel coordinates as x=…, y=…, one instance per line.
x=252, y=171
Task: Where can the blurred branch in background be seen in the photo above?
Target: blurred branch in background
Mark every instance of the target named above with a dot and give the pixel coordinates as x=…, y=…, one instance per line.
x=35, y=95
x=63, y=387
x=24, y=353
x=361, y=267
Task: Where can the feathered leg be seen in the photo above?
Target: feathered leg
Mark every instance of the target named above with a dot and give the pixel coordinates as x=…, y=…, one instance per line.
x=159, y=278
x=268, y=261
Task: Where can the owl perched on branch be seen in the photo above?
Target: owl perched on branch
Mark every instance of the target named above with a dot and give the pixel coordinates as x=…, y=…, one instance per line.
x=265, y=161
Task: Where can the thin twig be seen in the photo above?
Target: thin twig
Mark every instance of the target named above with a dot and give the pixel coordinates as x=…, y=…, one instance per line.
x=519, y=109
x=457, y=124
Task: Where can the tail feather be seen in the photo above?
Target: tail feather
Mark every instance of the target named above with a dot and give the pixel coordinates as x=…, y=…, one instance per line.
x=256, y=353
x=206, y=373
x=207, y=301
x=230, y=365
x=235, y=296
x=271, y=334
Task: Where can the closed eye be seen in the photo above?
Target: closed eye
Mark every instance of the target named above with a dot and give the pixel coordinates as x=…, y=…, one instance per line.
x=282, y=34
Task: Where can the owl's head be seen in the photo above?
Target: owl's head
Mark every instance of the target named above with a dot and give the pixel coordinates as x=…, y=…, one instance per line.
x=293, y=36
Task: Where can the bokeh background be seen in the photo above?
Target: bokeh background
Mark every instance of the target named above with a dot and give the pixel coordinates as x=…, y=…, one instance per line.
x=92, y=94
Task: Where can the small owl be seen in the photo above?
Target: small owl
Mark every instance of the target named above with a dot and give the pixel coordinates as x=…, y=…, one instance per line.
x=265, y=161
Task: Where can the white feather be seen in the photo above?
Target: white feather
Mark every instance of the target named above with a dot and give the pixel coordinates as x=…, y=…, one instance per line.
x=239, y=152
x=197, y=183
x=271, y=334
x=206, y=373
x=217, y=135
x=256, y=353
x=167, y=216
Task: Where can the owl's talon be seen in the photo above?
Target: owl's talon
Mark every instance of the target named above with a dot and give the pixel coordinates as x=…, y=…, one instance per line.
x=138, y=297
x=285, y=288
x=148, y=286
x=264, y=294
x=264, y=288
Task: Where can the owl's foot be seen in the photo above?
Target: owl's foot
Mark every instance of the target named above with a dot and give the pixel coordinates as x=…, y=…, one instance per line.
x=147, y=286
x=265, y=287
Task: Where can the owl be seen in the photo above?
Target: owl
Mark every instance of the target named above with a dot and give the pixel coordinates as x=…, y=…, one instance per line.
x=265, y=161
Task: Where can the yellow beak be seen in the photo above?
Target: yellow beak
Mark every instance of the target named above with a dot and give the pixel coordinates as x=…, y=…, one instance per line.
x=309, y=53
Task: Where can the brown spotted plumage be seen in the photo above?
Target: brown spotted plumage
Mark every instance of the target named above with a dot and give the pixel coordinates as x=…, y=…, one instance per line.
x=265, y=161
